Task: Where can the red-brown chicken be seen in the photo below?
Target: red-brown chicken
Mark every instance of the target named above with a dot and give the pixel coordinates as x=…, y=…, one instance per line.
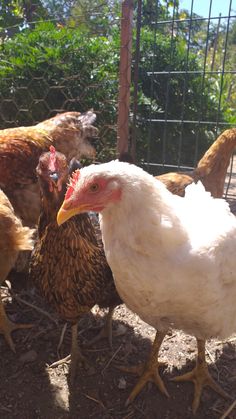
x=13, y=238
x=68, y=264
x=211, y=169
x=21, y=147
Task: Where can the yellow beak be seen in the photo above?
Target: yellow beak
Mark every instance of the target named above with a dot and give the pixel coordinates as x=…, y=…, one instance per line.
x=65, y=214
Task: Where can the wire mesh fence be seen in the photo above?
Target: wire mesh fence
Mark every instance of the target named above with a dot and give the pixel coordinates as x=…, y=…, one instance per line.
x=187, y=80
x=196, y=73
x=60, y=58
x=179, y=73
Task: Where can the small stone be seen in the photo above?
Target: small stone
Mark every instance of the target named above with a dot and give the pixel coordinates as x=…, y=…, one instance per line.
x=122, y=383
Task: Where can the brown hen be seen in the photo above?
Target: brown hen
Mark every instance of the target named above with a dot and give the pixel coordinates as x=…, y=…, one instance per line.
x=21, y=147
x=13, y=238
x=68, y=264
x=211, y=169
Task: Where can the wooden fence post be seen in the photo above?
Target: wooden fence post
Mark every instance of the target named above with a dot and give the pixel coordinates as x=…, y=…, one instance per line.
x=124, y=77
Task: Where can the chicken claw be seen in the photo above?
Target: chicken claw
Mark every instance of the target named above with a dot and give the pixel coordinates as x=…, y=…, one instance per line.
x=148, y=371
x=201, y=377
x=7, y=327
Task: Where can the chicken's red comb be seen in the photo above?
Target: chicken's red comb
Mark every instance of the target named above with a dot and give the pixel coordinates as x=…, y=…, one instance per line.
x=52, y=158
x=74, y=178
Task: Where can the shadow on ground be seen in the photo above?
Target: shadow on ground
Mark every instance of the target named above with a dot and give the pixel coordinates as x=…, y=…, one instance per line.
x=30, y=390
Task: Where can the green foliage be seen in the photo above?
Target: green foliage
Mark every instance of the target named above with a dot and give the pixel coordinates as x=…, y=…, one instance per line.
x=100, y=17
x=165, y=96
x=14, y=14
x=60, y=69
x=72, y=63
x=10, y=16
x=223, y=80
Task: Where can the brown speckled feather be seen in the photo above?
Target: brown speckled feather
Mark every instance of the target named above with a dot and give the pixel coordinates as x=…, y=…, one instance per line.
x=68, y=263
x=71, y=269
x=21, y=147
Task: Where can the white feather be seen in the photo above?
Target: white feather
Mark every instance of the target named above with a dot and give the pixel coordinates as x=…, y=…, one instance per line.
x=174, y=259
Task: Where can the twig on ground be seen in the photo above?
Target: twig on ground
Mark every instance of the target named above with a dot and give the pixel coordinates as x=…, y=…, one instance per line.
x=60, y=362
x=210, y=355
x=40, y=310
x=4, y=408
x=94, y=400
x=113, y=356
x=212, y=359
x=129, y=415
x=170, y=337
x=98, y=349
x=139, y=410
x=229, y=410
x=226, y=341
x=61, y=339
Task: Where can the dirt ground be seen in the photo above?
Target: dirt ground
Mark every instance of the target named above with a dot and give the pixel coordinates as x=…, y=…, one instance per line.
x=29, y=389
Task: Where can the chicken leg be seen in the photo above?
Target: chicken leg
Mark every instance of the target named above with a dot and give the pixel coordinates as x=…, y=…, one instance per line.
x=74, y=357
x=200, y=376
x=7, y=326
x=148, y=371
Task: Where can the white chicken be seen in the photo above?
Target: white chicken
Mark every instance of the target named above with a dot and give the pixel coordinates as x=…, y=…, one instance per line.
x=173, y=258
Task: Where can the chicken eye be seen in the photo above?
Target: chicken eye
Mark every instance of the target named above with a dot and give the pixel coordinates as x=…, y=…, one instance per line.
x=94, y=187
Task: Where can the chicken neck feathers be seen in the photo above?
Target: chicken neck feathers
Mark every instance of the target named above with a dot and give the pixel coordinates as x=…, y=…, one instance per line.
x=65, y=267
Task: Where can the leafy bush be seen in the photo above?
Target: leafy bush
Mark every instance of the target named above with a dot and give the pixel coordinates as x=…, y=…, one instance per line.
x=60, y=69
x=177, y=97
x=64, y=69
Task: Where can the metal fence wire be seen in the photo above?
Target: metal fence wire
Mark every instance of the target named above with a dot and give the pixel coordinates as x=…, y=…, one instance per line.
x=160, y=75
x=62, y=58
x=186, y=83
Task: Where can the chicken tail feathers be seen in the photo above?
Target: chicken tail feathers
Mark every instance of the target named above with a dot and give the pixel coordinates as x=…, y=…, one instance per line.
x=24, y=238
x=69, y=123
x=87, y=118
x=212, y=161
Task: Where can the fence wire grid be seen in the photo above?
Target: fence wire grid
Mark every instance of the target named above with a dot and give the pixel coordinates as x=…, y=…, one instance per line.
x=186, y=82
x=160, y=75
x=61, y=58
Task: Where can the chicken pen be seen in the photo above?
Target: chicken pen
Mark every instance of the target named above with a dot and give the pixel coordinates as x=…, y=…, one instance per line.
x=176, y=77
x=156, y=79
x=183, y=86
